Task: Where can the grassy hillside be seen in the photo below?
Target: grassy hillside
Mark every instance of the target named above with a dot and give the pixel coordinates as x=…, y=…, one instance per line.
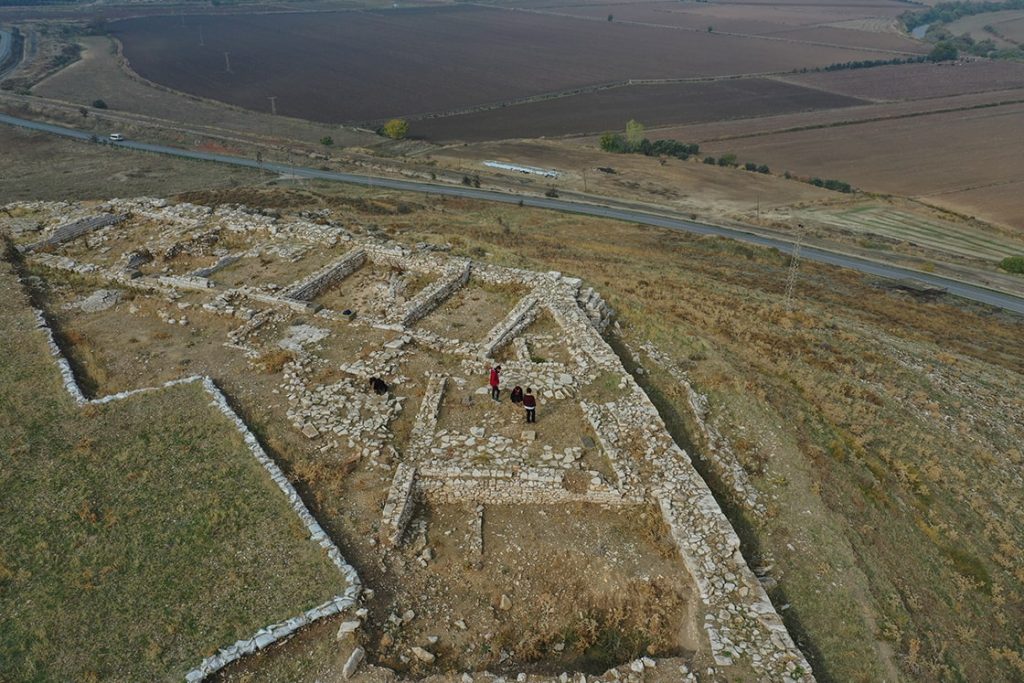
x=139, y=536
x=883, y=431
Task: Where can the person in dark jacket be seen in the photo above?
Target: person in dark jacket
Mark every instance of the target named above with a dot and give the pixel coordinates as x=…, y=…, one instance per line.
x=530, y=403
x=517, y=394
x=495, y=381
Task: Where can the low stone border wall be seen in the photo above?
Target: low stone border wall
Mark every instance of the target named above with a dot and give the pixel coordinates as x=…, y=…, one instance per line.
x=424, y=302
x=274, y=632
x=70, y=231
x=313, y=285
x=518, y=319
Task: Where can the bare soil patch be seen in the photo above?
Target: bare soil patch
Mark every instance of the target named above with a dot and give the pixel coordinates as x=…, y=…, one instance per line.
x=951, y=152
x=473, y=311
x=610, y=109
x=917, y=81
x=398, y=62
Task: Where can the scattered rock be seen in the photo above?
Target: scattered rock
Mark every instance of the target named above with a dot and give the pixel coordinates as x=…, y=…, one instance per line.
x=310, y=431
x=354, y=660
x=506, y=603
x=346, y=628
x=100, y=300
x=423, y=655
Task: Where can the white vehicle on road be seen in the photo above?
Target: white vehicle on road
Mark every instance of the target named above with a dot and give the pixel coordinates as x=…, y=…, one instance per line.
x=116, y=137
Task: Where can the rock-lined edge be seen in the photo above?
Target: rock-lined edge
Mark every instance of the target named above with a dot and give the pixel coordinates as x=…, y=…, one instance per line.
x=267, y=635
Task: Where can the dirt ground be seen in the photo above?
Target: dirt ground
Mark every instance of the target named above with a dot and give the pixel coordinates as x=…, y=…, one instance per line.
x=39, y=166
x=472, y=311
x=99, y=76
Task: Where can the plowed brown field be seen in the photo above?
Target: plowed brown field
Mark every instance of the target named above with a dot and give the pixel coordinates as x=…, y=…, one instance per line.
x=366, y=66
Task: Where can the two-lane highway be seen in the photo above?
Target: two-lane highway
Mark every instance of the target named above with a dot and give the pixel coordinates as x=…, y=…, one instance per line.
x=972, y=292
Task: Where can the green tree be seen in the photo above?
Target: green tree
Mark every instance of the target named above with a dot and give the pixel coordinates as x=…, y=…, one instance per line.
x=396, y=129
x=1013, y=264
x=610, y=17
x=943, y=52
x=99, y=104
x=613, y=142
x=327, y=141
x=634, y=133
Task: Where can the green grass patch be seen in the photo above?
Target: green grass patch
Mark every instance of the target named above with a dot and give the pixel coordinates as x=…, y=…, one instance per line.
x=139, y=536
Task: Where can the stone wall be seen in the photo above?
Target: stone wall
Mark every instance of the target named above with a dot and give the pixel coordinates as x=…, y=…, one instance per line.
x=518, y=319
x=399, y=505
x=432, y=295
x=75, y=229
x=313, y=285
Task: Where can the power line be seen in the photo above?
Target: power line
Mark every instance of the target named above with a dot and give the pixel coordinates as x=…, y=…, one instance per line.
x=794, y=264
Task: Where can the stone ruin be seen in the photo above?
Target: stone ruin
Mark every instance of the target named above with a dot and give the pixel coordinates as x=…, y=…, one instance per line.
x=209, y=259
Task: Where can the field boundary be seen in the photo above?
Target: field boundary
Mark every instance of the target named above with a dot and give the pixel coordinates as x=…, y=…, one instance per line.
x=855, y=122
x=270, y=634
x=733, y=34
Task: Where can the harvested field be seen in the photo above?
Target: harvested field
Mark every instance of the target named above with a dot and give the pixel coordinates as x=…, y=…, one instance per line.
x=744, y=128
x=848, y=37
x=1007, y=27
x=610, y=109
x=403, y=62
x=949, y=152
x=917, y=81
x=99, y=75
x=927, y=232
x=741, y=17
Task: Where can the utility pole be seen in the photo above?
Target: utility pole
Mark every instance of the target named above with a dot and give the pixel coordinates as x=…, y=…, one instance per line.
x=227, y=63
x=584, y=180
x=273, y=105
x=793, y=265
x=758, y=207
x=202, y=42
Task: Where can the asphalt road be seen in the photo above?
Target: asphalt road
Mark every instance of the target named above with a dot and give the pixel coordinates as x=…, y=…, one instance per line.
x=976, y=293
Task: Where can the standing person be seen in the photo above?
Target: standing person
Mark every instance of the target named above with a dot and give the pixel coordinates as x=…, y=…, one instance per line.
x=517, y=394
x=495, y=381
x=530, y=403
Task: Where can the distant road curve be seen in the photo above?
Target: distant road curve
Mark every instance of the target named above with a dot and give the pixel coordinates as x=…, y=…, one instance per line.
x=976, y=293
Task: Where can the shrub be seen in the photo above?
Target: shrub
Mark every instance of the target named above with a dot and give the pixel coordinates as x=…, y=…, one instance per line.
x=99, y=104
x=1013, y=264
x=552, y=192
x=709, y=160
x=327, y=141
x=396, y=129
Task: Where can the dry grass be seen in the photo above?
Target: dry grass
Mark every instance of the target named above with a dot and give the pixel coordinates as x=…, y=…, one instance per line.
x=884, y=430
x=139, y=536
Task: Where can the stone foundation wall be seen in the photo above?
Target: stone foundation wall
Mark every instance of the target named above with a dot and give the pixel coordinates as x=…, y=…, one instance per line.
x=74, y=230
x=427, y=300
x=518, y=319
x=399, y=505
x=313, y=285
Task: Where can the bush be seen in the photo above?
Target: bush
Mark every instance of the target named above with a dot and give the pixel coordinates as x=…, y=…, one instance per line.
x=396, y=129
x=709, y=160
x=943, y=52
x=750, y=166
x=727, y=160
x=327, y=141
x=99, y=104
x=763, y=168
x=1013, y=264
x=552, y=192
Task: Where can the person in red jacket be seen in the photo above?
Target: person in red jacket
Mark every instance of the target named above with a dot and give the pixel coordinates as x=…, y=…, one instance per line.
x=495, y=381
x=530, y=403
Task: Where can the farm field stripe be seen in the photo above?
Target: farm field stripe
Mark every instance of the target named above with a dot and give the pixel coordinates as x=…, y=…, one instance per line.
x=966, y=290
x=731, y=34
x=857, y=122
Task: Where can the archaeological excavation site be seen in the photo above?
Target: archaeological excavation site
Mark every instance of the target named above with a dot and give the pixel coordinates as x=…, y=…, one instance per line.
x=468, y=544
